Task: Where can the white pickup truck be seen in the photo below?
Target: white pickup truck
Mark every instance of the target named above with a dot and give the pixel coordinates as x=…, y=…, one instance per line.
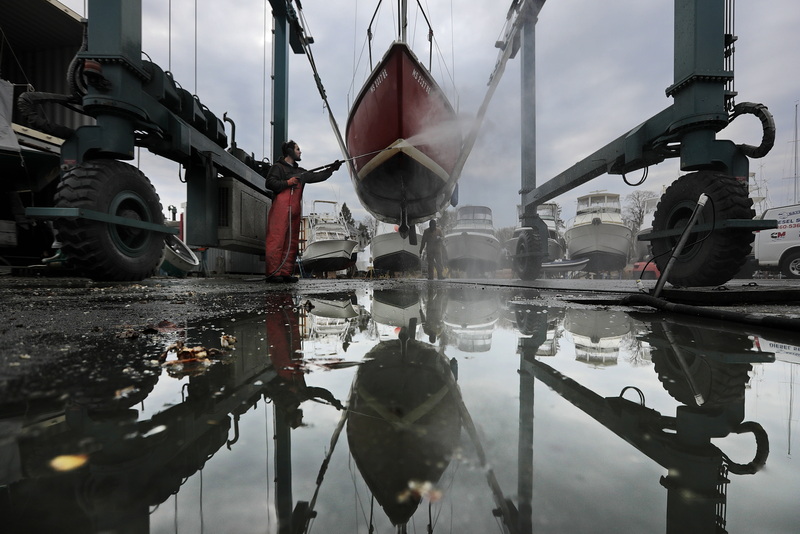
x=778, y=249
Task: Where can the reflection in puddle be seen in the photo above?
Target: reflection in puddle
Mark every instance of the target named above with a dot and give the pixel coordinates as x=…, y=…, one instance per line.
x=597, y=334
x=405, y=404
x=471, y=316
x=464, y=409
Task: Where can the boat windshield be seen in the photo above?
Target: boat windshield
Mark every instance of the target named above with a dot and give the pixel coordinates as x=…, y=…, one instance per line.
x=329, y=233
x=598, y=204
x=474, y=213
x=475, y=218
x=547, y=211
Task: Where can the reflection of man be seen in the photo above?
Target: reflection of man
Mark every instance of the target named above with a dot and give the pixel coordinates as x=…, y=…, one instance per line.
x=289, y=389
x=434, y=239
x=432, y=318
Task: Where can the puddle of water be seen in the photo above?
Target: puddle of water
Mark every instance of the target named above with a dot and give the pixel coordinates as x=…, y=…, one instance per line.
x=454, y=409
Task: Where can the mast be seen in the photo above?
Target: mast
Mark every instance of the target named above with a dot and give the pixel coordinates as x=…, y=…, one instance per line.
x=795, y=153
x=403, y=20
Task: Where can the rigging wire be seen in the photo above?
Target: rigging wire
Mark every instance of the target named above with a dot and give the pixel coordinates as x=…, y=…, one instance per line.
x=195, y=46
x=353, y=69
x=3, y=41
x=358, y=503
x=169, y=36
x=266, y=461
x=307, y=48
x=202, y=519
x=453, y=47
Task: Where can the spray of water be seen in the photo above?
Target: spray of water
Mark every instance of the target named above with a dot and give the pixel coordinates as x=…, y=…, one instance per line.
x=440, y=133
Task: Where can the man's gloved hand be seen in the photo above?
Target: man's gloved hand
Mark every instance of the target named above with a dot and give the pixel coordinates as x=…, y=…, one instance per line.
x=293, y=181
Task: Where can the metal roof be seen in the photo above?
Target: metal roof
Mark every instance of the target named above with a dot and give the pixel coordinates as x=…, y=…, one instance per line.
x=30, y=25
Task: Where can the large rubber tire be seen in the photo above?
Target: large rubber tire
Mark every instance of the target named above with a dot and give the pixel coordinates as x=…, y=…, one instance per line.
x=707, y=259
x=790, y=266
x=528, y=260
x=103, y=251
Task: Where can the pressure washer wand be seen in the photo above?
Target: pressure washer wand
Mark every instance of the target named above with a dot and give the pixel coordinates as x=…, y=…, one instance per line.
x=350, y=159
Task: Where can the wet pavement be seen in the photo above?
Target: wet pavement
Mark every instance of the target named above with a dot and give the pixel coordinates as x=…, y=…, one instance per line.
x=229, y=405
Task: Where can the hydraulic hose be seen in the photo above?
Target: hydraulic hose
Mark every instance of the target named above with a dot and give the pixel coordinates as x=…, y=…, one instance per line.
x=762, y=450
x=784, y=323
x=30, y=107
x=767, y=124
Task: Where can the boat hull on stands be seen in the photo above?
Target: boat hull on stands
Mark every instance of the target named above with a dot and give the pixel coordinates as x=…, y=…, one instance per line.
x=406, y=130
x=392, y=253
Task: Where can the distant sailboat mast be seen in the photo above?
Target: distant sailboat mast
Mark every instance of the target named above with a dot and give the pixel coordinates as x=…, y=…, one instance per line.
x=795, y=153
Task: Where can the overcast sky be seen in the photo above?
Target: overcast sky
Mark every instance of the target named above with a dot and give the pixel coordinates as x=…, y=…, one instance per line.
x=601, y=67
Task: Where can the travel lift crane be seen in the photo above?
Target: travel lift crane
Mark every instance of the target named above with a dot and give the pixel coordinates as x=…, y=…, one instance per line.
x=107, y=213
x=703, y=95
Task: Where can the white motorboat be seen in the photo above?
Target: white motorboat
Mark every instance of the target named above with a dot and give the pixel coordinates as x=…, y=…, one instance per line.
x=598, y=233
x=328, y=245
x=392, y=253
x=642, y=248
x=556, y=246
x=472, y=246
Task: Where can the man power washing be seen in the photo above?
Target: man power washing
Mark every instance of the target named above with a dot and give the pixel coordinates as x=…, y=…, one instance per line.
x=286, y=179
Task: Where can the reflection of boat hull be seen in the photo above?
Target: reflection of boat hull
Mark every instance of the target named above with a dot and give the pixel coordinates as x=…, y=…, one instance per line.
x=605, y=244
x=334, y=308
x=472, y=251
x=597, y=334
x=404, y=422
x=329, y=255
x=399, y=102
x=472, y=316
x=395, y=307
x=390, y=252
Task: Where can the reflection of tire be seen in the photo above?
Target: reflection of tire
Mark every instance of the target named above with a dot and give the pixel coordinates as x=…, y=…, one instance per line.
x=718, y=382
x=707, y=259
x=106, y=251
x=528, y=261
x=790, y=266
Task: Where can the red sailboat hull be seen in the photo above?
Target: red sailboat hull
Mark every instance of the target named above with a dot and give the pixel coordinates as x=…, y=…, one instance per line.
x=403, y=116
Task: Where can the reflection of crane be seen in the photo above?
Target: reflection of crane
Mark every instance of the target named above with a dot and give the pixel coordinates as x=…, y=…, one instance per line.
x=132, y=464
x=404, y=418
x=697, y=469
x=703, y=105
